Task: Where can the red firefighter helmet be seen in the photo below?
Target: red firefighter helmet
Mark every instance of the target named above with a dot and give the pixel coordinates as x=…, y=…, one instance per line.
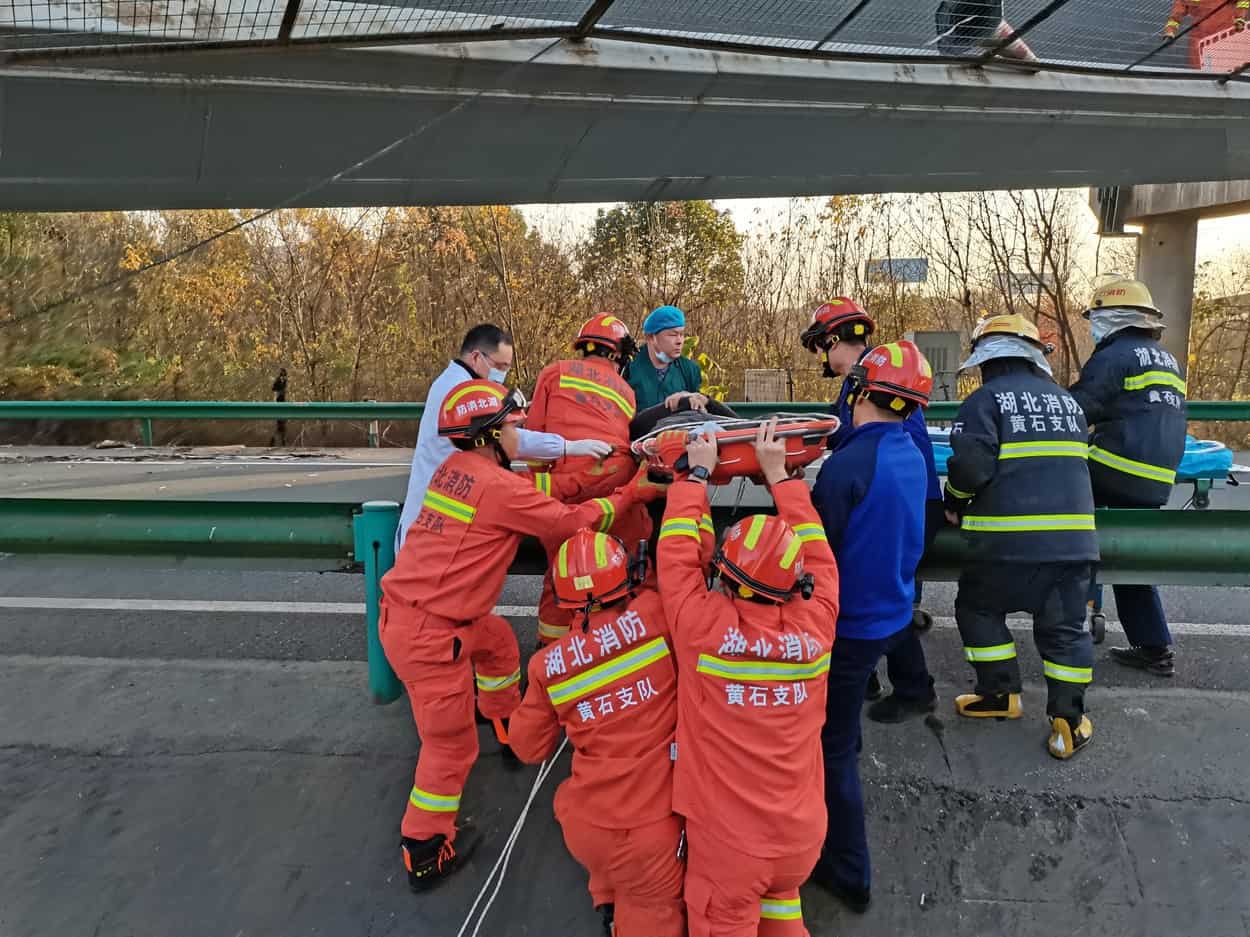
x=475, y=406
x=830, y=317
x=591, y=568
x=607, y=331
x=897, y=369
x=760, y=555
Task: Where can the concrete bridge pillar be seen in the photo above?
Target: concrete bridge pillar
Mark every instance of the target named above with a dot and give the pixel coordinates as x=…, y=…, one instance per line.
x=1166, y=260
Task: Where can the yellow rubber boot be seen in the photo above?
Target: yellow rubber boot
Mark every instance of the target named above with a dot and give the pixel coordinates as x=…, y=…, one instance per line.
x=976, y=706
x=1064, y=742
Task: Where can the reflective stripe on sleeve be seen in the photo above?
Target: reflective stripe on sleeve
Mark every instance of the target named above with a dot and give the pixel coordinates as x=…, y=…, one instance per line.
x=542, y=481
x=1154, y=473
x=620, y=666
x=764, y=670
x=961, y=495
x=809, y=532
x=609, y=514
x=435, y=803
x=993, y=652
x=679, y=527
x=705, y=524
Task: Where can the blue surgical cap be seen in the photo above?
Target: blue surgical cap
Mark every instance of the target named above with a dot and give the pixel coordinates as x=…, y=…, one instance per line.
x=665, y=317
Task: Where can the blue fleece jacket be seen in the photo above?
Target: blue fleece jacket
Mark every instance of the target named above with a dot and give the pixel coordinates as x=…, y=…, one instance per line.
x=870, y=494
x=915, y=425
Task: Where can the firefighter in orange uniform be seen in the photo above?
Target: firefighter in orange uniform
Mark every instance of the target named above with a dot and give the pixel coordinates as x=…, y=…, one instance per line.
x=587, y=395
x=436, y=623
x=752, y=658
x=611, y=685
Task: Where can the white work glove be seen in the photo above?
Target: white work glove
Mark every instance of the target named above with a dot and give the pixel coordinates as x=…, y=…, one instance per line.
x=591, y=447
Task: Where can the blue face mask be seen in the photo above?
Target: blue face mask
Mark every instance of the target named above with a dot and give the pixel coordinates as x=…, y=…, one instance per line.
x=664, y=358
x=497, y=376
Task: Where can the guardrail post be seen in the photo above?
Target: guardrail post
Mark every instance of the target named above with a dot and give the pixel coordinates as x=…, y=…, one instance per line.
x=374, y=533
x=373, y=434
x=145, y=432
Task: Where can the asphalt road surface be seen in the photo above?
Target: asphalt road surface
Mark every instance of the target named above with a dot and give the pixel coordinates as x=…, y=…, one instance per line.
x=189, y=748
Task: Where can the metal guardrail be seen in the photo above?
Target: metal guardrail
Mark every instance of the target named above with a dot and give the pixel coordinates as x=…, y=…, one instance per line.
x=1209, y=547
x=145, y=411
x=1161, y=547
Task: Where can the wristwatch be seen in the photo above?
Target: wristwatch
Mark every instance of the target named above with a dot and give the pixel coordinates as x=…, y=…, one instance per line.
x=700, y=473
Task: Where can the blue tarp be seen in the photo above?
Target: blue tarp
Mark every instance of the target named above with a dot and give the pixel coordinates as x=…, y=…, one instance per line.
x=1204, y=458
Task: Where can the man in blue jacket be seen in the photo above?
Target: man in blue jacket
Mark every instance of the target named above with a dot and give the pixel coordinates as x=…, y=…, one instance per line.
x=1134, y=398
x=840, y=330
x=870, y=497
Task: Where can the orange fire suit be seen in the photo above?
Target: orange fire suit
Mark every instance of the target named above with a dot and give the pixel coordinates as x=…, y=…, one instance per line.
x=612, y=687
x=1208, y=18
x=751, y=702
x=584, y=398
x=436, y=624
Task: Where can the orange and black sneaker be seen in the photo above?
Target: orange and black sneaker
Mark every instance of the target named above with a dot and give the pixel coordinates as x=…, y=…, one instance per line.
x=428, y=861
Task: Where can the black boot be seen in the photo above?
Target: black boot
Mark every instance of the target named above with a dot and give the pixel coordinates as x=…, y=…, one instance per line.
x=855, y=899
x=892, y=709
x=873, y=692
x=1068, y=736
x=977, y=706
x=1159, y=661
x=428, y=861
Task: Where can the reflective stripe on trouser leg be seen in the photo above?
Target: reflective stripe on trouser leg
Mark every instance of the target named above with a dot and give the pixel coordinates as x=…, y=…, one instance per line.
x=1063, y=643
x=781, y=915
x=434, y=803
x=487, y=683
x=781, y=909
x=442, y=706
x=1067, y=674
x=988, y=645
x=490, y=644
x=994, y=652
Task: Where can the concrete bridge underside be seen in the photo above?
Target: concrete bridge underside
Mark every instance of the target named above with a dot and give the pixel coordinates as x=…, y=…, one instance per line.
x=563, y=121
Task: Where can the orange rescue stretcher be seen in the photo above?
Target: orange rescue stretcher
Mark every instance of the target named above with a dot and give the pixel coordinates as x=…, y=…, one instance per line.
x=804, y=437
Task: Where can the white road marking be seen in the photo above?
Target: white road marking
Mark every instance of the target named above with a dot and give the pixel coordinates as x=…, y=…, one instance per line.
x=1114, y=627
x=1218, y=629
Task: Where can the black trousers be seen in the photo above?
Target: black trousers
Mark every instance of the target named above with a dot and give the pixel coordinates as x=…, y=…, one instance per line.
x=1054, y=594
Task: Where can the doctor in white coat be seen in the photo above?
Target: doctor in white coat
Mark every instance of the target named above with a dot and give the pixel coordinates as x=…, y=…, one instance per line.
x=486, y=352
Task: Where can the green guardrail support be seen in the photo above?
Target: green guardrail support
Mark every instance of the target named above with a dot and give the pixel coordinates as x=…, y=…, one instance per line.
x=117, y=527
x=145, y=432
x=374, y=529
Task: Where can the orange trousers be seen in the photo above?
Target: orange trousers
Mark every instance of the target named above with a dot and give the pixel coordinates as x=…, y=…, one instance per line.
x=732, y=894
x=575, y=487
x=440, y=662
x=636, y=870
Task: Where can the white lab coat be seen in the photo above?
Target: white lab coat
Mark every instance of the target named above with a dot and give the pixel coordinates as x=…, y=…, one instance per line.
x=432, y=449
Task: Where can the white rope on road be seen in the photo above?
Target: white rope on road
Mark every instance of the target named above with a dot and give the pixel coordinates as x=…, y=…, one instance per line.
x=501, y=864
